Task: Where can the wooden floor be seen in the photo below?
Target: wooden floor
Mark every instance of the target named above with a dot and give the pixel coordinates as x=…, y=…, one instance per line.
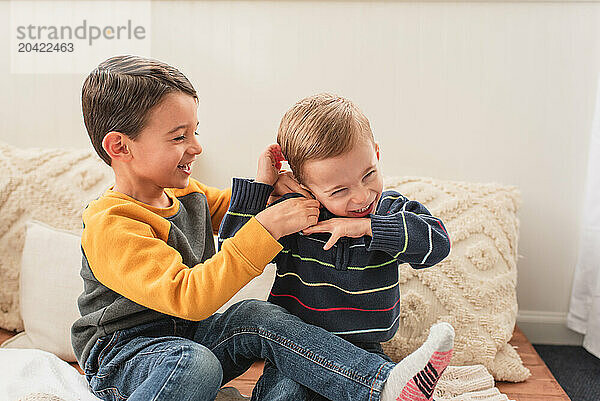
x=541, y=386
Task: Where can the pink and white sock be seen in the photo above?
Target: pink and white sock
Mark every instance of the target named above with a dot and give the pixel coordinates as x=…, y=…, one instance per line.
x=415, y=377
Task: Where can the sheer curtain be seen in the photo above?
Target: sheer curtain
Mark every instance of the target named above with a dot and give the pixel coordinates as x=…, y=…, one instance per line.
x=584, y=311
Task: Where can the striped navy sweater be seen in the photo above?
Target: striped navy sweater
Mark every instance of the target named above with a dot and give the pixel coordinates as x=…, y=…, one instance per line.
x=351, y=289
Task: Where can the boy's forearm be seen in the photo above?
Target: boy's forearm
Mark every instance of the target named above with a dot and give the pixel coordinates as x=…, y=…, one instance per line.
x=407, y=231
x=248, y=198
x=420, y=240
x=162, y=282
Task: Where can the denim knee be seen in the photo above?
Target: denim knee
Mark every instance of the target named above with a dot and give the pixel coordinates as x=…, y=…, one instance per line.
x=254, y=312
x=192, y=372
x=199, y=361
x=173, y=368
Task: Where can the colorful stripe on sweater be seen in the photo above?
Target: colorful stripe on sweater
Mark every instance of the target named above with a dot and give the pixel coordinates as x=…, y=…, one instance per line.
x=351, y=289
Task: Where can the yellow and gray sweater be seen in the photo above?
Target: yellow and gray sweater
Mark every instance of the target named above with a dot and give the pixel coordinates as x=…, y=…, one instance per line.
x=141, y=262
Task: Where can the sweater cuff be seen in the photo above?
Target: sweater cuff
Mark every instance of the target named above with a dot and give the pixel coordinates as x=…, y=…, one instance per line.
x=256, y=245
x=387, y=233
x=249, y=196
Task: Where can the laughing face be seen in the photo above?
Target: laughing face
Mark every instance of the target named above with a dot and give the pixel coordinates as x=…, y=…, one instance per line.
x=168, y=145
x=348, y=185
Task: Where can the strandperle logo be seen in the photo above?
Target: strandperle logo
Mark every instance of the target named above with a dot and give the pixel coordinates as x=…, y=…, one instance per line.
x=85, y=31
x=72, y=37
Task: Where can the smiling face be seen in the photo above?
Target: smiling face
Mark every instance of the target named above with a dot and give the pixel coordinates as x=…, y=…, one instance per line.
x=348, y=185
x=163, y=153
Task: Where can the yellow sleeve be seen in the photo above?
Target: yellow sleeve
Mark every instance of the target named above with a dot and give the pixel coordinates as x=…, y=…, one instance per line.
x=126, y=255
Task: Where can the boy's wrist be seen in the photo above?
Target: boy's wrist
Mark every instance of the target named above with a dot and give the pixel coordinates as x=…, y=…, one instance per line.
x=257, y=243
x=268, y=225
x=385, y=233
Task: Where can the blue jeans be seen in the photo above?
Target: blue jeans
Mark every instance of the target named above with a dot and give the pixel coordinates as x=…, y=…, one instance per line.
x=275, y=386
x=176, y=359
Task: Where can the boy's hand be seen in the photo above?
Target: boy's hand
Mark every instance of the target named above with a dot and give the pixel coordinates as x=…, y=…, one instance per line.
x=289, y=216
x=341, y=227
x=286, y=183
x=269, y=164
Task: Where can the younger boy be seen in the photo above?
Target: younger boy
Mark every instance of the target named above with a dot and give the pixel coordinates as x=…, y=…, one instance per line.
x=342, y=274
x=152, y=280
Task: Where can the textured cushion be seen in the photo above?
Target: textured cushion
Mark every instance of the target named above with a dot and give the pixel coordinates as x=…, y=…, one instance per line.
x=49, y=185
x=474, y=288
x=50, y=285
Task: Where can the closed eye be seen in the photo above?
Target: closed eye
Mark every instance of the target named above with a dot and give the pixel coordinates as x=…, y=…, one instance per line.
x=369, y=174
x=183, y=137
x=337, y=192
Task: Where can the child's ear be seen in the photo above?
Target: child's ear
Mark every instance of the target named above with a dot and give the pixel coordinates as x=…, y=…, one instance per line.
x=115, y=145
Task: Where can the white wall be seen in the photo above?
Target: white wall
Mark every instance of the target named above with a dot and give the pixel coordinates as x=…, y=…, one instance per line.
x=464, y=91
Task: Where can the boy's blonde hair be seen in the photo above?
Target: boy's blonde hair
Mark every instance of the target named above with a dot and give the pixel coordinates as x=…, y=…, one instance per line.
x=320, y=127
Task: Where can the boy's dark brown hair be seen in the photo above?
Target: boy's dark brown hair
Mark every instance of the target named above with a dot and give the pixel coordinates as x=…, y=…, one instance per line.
x=119, y=94
x=319, y=127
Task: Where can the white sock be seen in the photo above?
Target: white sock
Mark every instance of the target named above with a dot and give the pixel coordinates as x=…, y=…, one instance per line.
x=415, y=377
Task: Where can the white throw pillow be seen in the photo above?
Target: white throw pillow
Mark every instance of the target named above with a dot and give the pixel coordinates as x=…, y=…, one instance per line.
x=50, y=284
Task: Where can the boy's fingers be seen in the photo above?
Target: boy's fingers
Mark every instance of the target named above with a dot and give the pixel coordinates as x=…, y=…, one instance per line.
x=267, y=159
x=302, y=192
x=309, y=230
x=267, y=153
x=272, y=199
x=320, y=227
x=332, y=240
x=306, y=203
x=312, y=203
x=291, y=185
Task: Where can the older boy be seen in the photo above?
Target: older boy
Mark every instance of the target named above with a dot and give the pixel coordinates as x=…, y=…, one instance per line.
x=342, y=274
x=153, y=281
